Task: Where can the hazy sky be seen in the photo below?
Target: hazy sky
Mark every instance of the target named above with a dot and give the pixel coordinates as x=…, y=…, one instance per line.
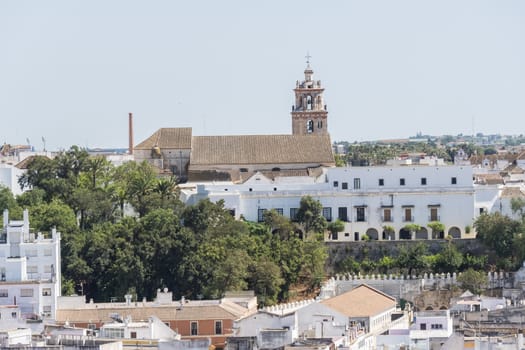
x=70, y=71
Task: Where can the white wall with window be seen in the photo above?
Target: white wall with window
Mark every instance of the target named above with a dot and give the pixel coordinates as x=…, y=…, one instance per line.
x=30, y=274
x=366, y=198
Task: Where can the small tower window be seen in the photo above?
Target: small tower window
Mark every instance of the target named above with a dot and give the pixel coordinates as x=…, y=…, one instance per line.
x=320, y=124
x=310, y=126
x=308, y=102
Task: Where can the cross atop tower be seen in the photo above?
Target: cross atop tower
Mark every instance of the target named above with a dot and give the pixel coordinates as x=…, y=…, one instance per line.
x=307, y=57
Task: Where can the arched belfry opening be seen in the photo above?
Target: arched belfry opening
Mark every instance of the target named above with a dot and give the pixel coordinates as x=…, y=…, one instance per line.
x=309, y=109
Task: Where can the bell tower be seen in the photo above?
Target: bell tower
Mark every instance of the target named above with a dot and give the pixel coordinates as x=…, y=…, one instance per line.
x=309, y=114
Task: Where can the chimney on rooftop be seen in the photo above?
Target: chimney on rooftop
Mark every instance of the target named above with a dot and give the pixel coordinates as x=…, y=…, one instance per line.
x=130, y=150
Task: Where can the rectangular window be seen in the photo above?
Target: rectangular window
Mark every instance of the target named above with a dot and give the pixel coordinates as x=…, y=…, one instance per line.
x=360, y=214
x=423, y=181
x=48, y=252
x=401, y=182
x=342, y=214
x=357, y=183
x=434, y=214
x=279, y=211
x=408, y=215
x=260, y=214
x=218, y=327
x=387, y=215
x=423, y=326
x=381, y=182
x=344, y=185
x=4, y=293
x=46, y=310
x=454, y=181
x=47, y=269
x=32, y=269
x=194, y=328
x=31, y=252
x=26, y=292
x=133, y=335
x=293, y=214
x=327, y=214
x=46, y=292
x=335, y=235
x=336, y=183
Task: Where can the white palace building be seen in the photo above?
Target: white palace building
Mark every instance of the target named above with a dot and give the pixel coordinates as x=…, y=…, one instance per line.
x=366, y=198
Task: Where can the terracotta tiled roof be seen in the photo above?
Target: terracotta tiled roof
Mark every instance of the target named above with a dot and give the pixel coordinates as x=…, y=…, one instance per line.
x=512, y=192
x=192, y=311
x=261, y=149
x=25, y=163
x=171, y=138
x=489, y=179
x=362, y=301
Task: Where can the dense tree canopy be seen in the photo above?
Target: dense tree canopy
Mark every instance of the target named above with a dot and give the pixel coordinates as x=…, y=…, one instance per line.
x=124, y=230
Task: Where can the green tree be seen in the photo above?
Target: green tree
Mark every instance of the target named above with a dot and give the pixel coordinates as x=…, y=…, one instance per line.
x=412, y=228
x=449, y=259
x=7, y=201
x=335, y=227
x=437, y=228
x=310, y=215
x=413, y=258
x=473, y=280
x=498, y=232
x=266, y=280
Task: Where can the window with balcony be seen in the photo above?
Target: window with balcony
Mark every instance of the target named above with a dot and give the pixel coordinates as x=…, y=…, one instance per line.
x=387, y=215
x=408, y=215
x=433, y=214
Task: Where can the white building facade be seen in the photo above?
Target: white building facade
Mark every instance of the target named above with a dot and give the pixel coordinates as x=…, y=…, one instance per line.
x=29, y=269
x=366, y=199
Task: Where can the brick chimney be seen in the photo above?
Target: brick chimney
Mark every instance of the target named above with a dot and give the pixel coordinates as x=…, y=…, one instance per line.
x=130, y=150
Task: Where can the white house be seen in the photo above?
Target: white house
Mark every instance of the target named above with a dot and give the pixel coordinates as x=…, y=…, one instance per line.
x=29, y=268
x=152, y=329
x=366, y=198
x=429, y=330
x=9, y=175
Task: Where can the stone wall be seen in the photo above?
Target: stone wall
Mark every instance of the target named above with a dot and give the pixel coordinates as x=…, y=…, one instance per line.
x=406, y=287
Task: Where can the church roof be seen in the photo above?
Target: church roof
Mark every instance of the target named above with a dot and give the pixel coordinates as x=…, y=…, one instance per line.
x=174, y=138
x=262, y=149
